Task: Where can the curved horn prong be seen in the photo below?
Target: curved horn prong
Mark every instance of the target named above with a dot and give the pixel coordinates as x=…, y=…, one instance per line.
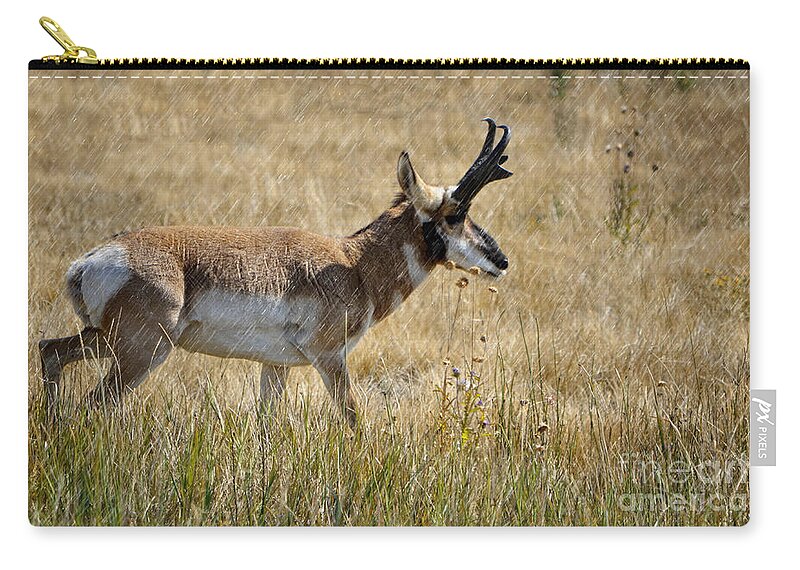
x=489, y=142
x=486, y=167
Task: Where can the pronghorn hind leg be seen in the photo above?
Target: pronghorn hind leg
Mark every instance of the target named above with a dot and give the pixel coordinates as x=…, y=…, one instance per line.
x=143, y=322
x=273, y=383
x=55, y=353
x=337, y=380
x=130, y=368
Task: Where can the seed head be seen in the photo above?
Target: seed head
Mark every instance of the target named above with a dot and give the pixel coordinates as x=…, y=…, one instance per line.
x=446, y=362
x=661, y=383
x=475, y=270
x=543, y=427
x=449, y=265
x=478, y=359
x=462, y=282
x=483, y=338
x=492, y=289
x=540, y=448
x=524, y=402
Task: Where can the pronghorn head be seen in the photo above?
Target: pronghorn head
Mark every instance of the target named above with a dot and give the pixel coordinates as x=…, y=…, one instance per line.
x=449, y=232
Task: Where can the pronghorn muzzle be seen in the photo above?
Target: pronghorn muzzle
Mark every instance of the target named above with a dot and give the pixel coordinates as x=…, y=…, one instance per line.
x=491, y=250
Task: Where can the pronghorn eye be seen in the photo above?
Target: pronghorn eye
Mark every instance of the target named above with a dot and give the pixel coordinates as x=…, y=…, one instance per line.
x=453, y=220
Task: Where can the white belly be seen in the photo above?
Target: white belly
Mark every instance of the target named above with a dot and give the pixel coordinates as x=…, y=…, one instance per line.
x=265, y=329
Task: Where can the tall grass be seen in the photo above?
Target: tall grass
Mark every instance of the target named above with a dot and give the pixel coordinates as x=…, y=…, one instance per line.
x=477, y=444
x=604, y=381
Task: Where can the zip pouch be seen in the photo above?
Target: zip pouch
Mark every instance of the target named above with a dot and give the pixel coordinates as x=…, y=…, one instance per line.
x=311, y=292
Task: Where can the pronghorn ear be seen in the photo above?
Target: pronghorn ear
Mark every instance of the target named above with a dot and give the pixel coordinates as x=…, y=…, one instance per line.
x=420, y=194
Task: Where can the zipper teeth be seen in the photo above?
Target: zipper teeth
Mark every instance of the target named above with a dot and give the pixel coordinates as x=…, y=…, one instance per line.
x=351, y=63
x=599, y=63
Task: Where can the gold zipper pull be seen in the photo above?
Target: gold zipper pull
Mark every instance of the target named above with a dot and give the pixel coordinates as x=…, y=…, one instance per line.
x=72, y=53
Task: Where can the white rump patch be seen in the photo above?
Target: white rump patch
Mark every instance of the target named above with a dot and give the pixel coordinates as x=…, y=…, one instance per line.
x=103, y=272
x=416, y=272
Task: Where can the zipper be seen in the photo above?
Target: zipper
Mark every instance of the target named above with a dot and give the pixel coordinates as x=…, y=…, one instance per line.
x=72, y=53
x=79, y=57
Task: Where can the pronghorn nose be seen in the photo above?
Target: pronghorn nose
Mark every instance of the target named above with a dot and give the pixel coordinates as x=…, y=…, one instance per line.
x=503, y=263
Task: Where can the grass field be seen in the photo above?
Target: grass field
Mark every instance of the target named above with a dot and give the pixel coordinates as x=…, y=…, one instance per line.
x=610, y=368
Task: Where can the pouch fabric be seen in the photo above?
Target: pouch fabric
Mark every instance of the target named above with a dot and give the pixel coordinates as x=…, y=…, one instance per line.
x=602, y=380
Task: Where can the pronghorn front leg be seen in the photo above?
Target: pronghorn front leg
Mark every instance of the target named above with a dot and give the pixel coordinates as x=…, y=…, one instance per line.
x=333, y=370
x=273, y=382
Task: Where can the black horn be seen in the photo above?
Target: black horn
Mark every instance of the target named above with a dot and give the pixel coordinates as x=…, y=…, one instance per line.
x=486, y=167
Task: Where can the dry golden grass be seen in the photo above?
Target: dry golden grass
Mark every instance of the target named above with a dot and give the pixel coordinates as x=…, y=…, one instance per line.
x=625, y=333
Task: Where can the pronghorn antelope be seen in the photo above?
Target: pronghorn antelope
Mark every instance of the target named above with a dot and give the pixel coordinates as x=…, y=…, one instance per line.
x=280, y=296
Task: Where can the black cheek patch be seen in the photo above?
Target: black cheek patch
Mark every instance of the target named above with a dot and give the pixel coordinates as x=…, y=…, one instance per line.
x=434, y=242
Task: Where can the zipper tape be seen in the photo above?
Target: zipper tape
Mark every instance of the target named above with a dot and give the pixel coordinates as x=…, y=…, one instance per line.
x=384, y=63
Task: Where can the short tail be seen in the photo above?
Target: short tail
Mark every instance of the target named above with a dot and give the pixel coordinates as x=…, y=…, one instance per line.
x=74, y=283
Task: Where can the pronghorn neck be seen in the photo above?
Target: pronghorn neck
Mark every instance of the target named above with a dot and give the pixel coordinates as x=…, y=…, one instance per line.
x=394, y=256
